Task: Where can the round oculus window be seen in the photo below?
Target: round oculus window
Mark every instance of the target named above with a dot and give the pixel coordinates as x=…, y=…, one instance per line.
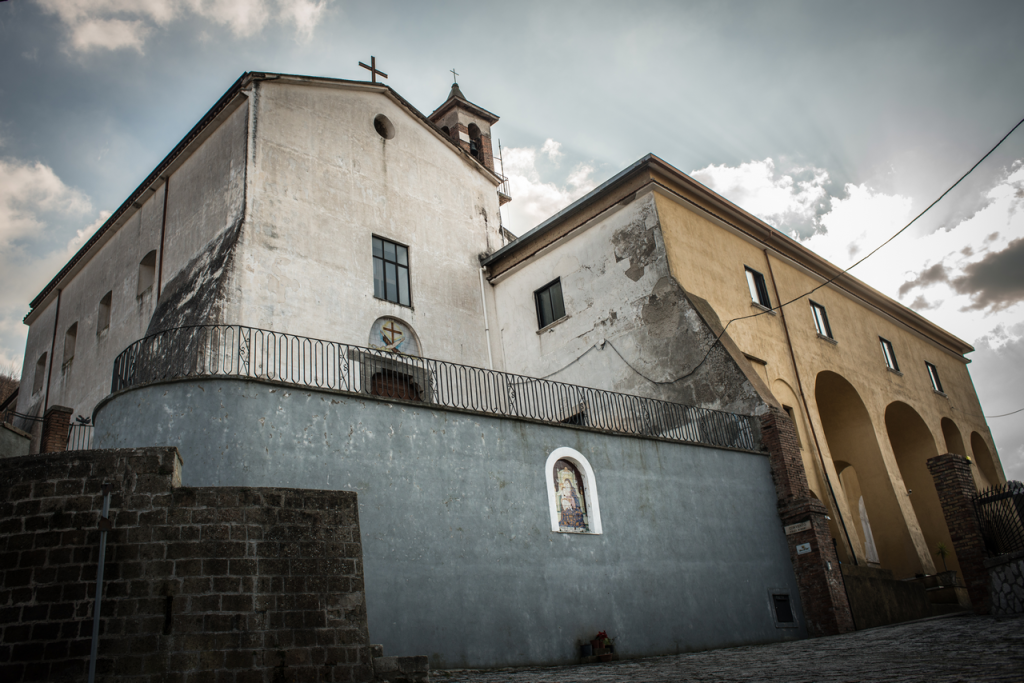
x=384, y=127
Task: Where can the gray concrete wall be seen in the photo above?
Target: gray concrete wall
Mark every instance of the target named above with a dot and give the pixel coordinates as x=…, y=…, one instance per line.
x=13, y=442
x=461, y=562
x=618, y=289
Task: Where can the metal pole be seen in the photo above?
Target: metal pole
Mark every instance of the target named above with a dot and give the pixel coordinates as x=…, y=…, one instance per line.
x=104, y=526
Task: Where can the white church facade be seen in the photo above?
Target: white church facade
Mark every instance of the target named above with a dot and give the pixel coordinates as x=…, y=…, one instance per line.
x=549, y=437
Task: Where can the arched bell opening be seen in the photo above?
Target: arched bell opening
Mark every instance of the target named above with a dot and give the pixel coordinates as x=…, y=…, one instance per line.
x=850, y=437
x=475, y=141
x=913, y=445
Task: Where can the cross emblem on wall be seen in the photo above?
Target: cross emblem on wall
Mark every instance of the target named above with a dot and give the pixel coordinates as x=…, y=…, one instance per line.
x=374, y=72
x=392, y=335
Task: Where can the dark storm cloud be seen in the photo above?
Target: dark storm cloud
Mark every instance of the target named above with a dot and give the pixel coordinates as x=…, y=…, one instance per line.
x=996, y=281
x=928, y=276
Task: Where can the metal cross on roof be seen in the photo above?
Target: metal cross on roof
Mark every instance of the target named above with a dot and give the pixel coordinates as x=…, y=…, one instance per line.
x=455, y=76
x=373, y=69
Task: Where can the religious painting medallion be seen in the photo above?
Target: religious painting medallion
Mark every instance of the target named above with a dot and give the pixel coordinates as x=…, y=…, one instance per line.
x=395, y=336
x=570, y=498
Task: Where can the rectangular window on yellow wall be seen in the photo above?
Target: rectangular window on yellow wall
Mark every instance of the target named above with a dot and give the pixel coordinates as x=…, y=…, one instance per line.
x=758, y=288
x=933, y=375
x=821, y=320
x=890, y=355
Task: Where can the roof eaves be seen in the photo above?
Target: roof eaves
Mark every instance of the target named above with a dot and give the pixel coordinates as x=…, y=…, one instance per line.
x=592, y=196
x=196, y=130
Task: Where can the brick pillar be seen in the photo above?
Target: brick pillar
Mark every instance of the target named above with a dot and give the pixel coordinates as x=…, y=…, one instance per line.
x=826, y=609
x=955, y=485
x=56, y=424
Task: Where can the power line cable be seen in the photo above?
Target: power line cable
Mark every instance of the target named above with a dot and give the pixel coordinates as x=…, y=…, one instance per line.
x=845, y=271
x=718, y=338
x=992, y=417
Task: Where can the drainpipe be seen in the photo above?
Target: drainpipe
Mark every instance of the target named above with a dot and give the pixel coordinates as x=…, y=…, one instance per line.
x=104, y=527
x=487, y=329
x=803, y=399
x=53, y=347
x=163, y=228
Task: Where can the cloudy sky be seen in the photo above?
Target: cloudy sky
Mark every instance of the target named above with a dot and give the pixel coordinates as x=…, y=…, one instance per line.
x=834, y=122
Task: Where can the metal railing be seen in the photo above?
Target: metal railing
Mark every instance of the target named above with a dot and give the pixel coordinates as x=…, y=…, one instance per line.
x=1001, y=515
x=80, y=437
x=246, y=352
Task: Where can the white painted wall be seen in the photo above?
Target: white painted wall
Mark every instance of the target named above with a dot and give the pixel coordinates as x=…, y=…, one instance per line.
x=617, y=287
x=322, y=183
x=206, y=195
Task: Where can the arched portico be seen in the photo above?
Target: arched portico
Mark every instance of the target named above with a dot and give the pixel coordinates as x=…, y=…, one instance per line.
x=913, y=444
x=851, y=439
x=983, y=459
x=793, y=407
x=951, y=435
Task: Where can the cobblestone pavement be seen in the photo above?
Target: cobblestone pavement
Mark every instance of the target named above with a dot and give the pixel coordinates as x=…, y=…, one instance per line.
x=960, y=648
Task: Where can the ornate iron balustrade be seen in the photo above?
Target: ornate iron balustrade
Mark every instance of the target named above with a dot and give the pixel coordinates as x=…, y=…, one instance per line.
x=251, y=353
x=1001, y=515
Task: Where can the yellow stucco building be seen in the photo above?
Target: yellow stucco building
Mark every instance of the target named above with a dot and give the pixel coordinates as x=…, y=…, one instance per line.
x=874, y=388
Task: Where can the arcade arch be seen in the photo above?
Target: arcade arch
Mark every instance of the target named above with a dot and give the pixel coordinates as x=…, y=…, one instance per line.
x=913, y=444
x=851, y=440
x=983, y=458
x=951, y=435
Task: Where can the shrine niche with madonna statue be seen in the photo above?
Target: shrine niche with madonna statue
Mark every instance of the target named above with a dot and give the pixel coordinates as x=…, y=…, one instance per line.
x=393, y=369
x=572, y=493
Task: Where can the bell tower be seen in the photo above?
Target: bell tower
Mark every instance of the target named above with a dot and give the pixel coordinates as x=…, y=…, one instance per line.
x=468, y=125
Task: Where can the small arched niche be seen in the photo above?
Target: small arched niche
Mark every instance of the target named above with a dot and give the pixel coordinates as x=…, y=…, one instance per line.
x=572, y=493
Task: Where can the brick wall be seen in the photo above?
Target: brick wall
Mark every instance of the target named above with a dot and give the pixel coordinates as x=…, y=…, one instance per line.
x=955, y=485
x=226, y=584
x=56, y=423
x=822, y=595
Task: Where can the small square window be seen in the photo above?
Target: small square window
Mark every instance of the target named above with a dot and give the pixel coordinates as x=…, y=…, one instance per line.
x=821, y=320
x=758, y=289
x=550, y=306
x=933, y=375
x=890, y=355
x=391, y=272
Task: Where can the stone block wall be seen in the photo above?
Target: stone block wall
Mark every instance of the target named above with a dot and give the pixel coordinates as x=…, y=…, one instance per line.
x=1006, y=574
x=955, y=485
x=225, y=584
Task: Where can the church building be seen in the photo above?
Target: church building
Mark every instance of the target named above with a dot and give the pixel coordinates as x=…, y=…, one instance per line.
x=610, y=423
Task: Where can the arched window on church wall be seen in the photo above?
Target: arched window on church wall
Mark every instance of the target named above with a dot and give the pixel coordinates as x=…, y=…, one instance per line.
x=572, y=493
x=147, y=272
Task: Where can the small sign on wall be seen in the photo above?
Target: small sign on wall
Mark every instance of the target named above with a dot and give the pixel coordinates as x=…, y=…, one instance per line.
x=803, y=549
x=797, y=528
